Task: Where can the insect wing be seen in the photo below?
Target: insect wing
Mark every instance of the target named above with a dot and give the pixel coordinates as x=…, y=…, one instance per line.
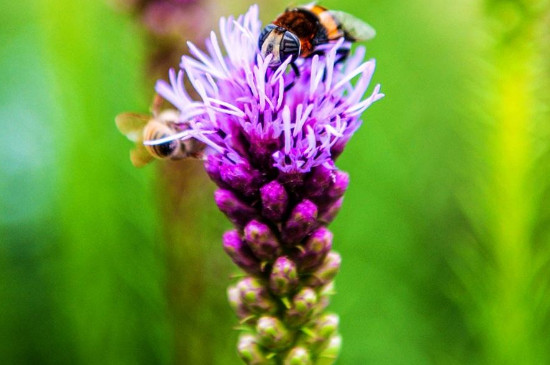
x=131, y=125
x=353, y=26
x=140, y=156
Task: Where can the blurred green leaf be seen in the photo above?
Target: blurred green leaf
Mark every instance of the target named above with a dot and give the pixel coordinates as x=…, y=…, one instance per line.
x=110, y=284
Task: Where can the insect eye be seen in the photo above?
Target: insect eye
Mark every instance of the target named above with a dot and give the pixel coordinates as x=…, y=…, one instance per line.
x=290, y=46
x=265, y=33
x=165, y=150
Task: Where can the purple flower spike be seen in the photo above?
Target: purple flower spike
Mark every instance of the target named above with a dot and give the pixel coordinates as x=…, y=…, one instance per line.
x=262, y=241
x=300, y=223
x=284, y=276
x=270, y=135
x=274, y=200
x=238, y=212
x=315, y=249
x=240, y=253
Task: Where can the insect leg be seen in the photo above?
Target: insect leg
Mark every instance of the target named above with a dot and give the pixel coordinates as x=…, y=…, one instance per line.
x=341, y=55
x=296, y=76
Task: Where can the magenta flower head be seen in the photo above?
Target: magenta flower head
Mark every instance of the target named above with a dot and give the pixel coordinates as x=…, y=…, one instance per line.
x=270, y=133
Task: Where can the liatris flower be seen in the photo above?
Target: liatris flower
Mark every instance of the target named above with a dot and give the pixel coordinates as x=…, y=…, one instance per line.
x=271, y=139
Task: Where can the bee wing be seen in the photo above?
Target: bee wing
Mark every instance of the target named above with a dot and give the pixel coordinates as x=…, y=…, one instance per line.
x=131, y=125
x=353, y=26
x=140, y=156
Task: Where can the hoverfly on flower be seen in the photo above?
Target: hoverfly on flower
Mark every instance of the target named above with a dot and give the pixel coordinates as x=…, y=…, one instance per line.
x=304, y=30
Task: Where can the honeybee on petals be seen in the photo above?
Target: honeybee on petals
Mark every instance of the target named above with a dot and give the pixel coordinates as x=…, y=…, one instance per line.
x=301, y=32
x=140, y=128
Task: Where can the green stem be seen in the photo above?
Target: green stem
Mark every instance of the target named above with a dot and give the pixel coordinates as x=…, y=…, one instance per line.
x=509, y=311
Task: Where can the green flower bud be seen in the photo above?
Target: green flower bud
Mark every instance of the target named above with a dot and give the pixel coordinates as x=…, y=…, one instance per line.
x=235, y=301
x=262, y=241
x=327, y=325
x=327, y=271
x=250, y=352
x=298, y=356
x=272, y=333
x=324, y=298
x=255, y=296
x=321, y=332
x=284, y=276
x=302, y=306
x=330, y=353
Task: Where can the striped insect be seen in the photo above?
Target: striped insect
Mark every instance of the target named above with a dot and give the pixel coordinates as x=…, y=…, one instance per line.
x=142, y=128
x=304, y=30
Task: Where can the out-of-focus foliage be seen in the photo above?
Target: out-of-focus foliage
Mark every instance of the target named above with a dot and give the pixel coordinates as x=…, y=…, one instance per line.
x=82, y=266
x=444, y=232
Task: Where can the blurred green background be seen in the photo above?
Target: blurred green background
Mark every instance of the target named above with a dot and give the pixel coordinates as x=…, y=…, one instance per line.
x=444, y=234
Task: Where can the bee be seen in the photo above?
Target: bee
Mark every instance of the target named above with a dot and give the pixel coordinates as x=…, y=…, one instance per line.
x=302, y=31
x=140, y=128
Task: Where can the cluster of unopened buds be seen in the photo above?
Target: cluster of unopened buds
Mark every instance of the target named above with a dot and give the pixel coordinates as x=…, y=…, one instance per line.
x=269, y=140
x=285, y=249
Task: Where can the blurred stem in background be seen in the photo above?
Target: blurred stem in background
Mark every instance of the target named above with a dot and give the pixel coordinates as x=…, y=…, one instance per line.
x=197, y=269
x=194, y=292
x=506, y=274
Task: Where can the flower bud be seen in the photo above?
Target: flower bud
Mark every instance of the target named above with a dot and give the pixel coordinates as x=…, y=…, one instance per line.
x=262, y=241
x=326, y=325
x=298, y=356
x=235, y=301
x=292, y=180
x=301, y=221
x=322, y=304
x=284, y=276
x=324, y=328
x=324, y=298
x=303, y=305
x=339, y=186
x=272, y=333
x=238, y=212
x=319, y=180
x=212, y=168
x=330, y=353
x=250, y=352
x=329, y=212
x=315, y=249
x=255, y=296
x=327, y=271
x=274, y=200
x=240, y=177
x=262, y=147
x=240, y=253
